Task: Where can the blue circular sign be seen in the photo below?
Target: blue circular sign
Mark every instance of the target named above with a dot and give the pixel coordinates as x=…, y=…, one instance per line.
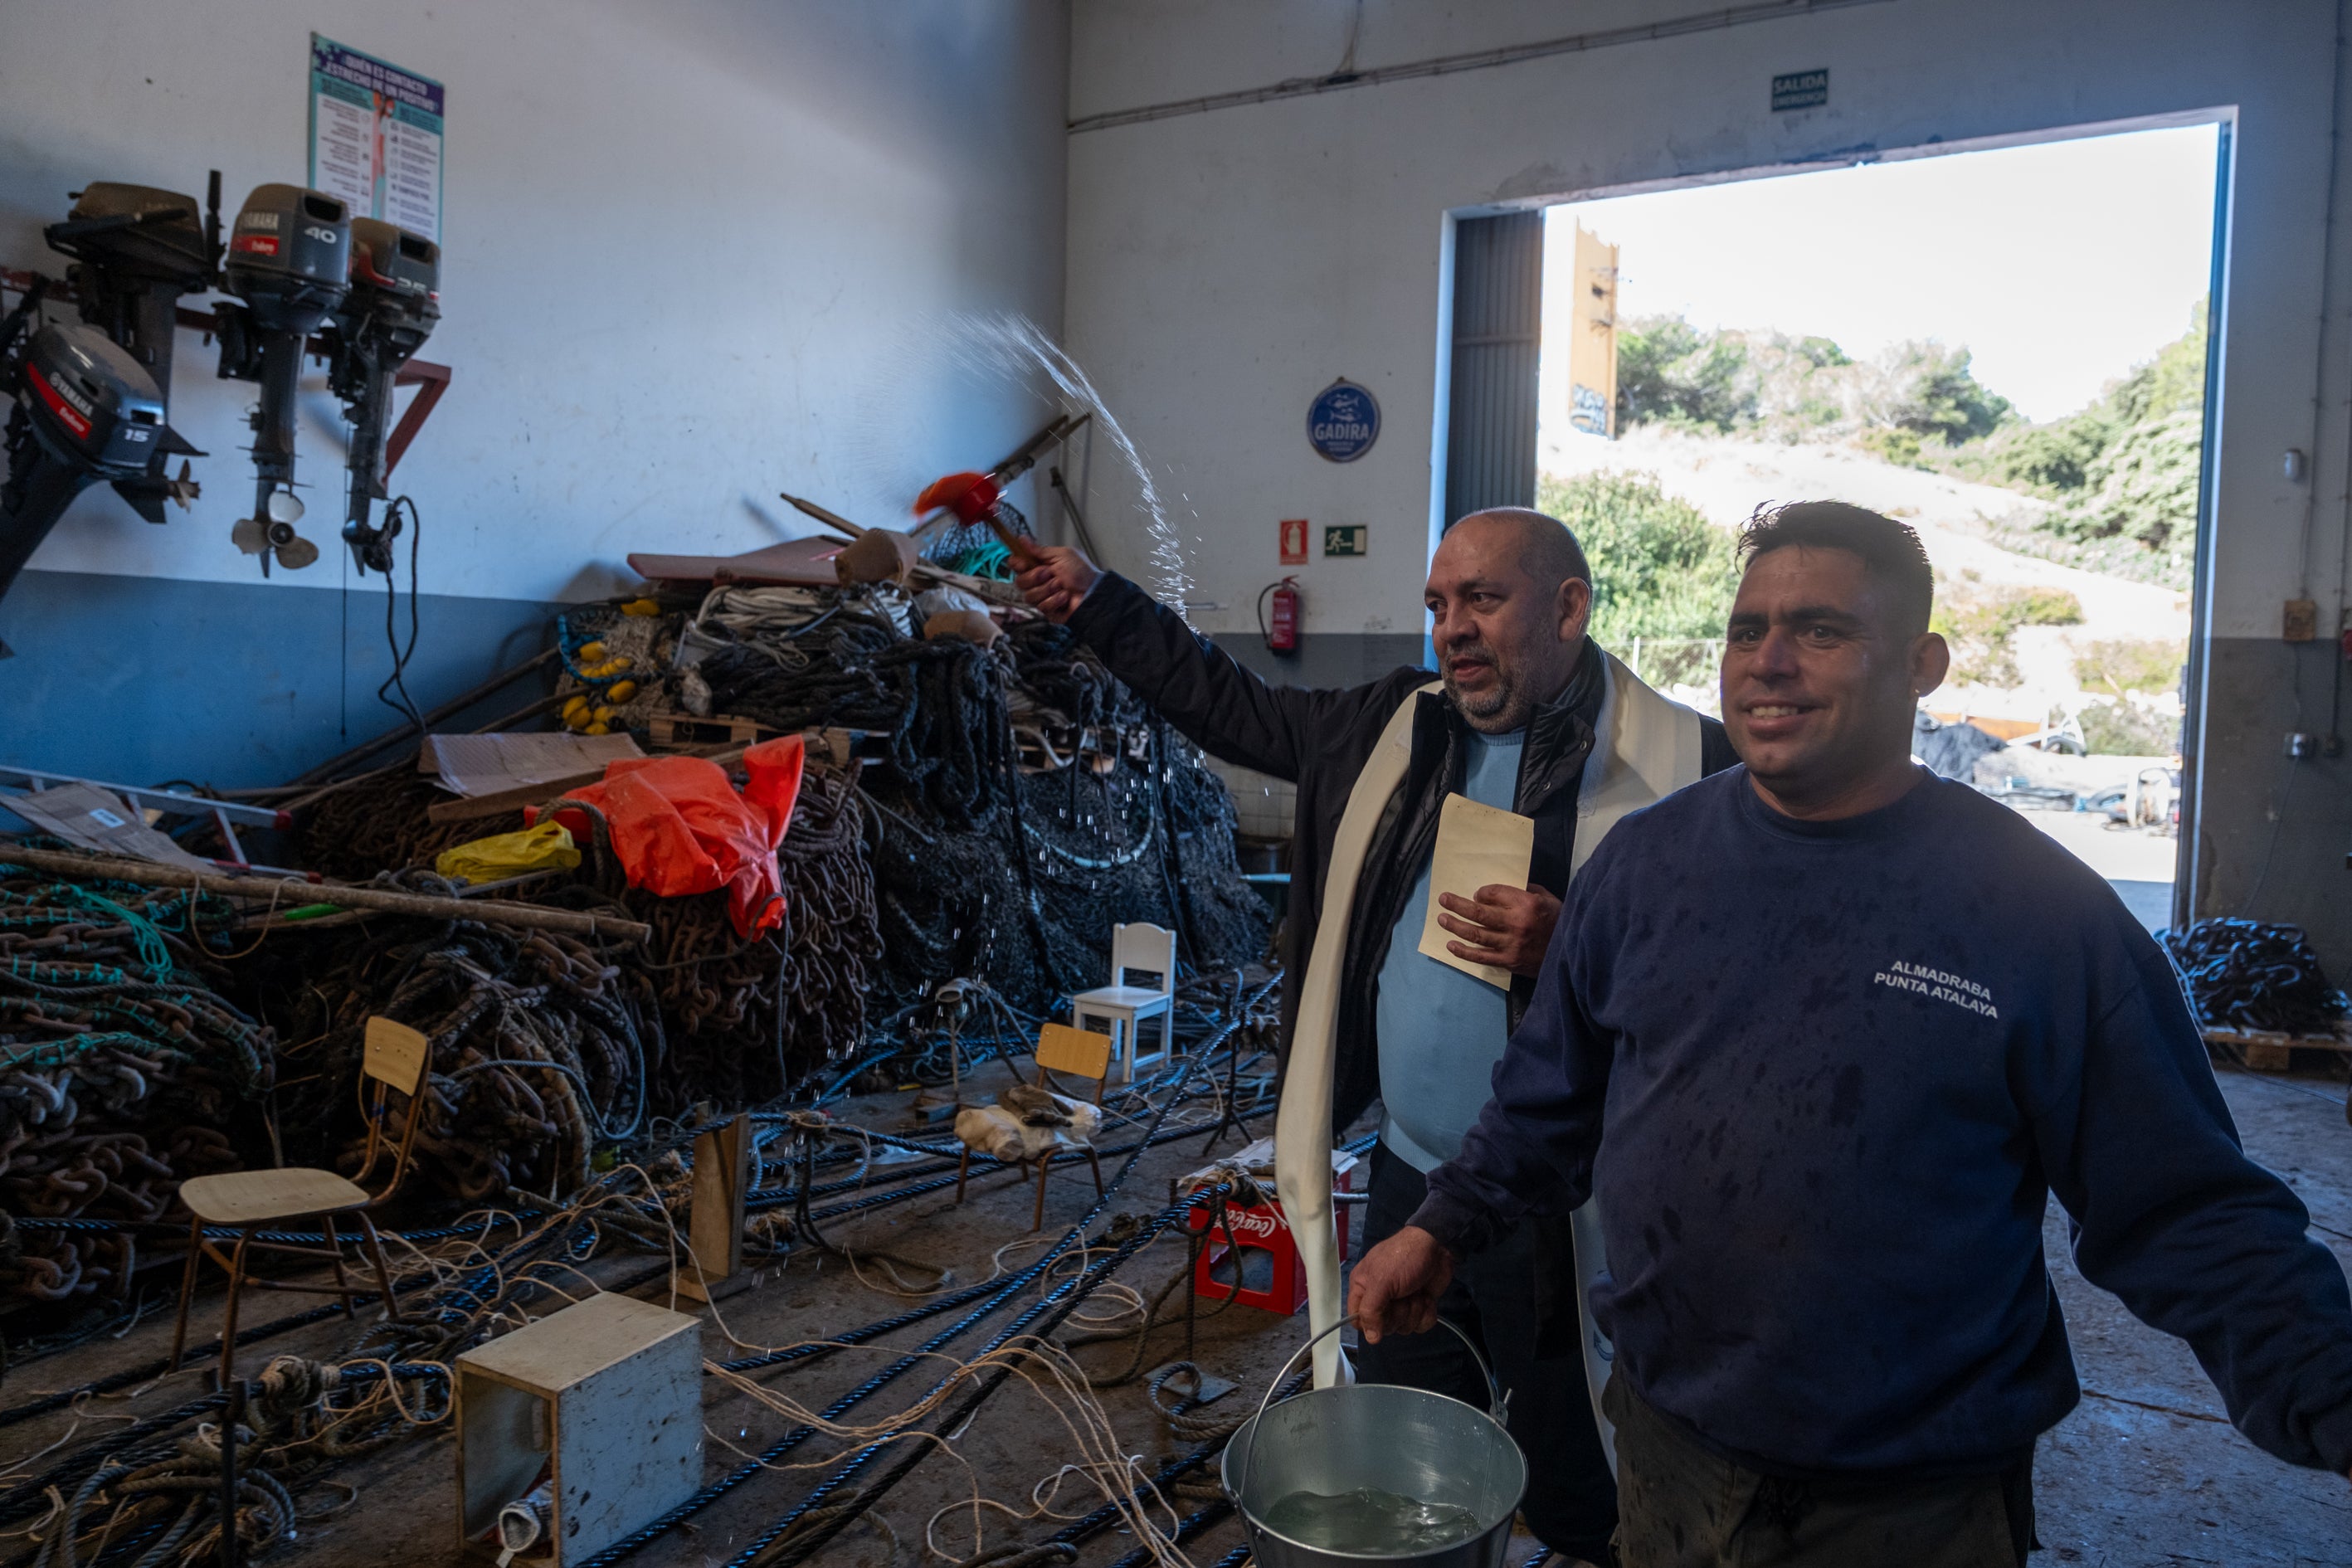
x=1343, y=422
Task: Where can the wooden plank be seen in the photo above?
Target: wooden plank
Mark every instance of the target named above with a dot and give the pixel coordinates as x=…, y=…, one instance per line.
x=2266, y=1050
x=571, y=1346
x=473, y=809
x=288, y=892
x=838, y=744
x=687, y=730
x=722, y=1180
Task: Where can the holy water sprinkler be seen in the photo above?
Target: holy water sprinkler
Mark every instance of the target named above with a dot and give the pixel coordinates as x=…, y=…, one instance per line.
x=80, y=410
x=973, y=498
x=136, y=250
x=290, y=263
x=390, y=309
x=969, y=499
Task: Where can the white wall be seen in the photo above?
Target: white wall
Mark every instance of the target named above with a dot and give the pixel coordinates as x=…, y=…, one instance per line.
x=1226, y=265
x=695, y=253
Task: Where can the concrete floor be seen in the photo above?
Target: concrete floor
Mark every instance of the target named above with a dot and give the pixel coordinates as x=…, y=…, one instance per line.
x=2148, y=1469
x=2146, y=1472
x=2137, y=863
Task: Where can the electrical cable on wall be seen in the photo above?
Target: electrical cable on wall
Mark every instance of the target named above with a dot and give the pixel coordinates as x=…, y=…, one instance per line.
x=397, y=679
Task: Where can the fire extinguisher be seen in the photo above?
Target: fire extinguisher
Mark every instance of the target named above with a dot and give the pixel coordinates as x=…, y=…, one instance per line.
x=1281, y=634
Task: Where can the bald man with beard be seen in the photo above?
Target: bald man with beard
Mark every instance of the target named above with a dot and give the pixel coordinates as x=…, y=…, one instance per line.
x=1524, y=713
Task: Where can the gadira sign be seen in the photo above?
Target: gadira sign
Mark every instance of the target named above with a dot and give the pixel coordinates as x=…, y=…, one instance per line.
x=1343, y=422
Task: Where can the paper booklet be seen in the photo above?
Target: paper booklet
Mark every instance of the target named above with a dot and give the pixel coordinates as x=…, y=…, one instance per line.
x=1478, y=846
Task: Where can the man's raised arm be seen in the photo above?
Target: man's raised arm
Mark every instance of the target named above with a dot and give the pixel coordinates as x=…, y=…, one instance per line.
x=1226, y=709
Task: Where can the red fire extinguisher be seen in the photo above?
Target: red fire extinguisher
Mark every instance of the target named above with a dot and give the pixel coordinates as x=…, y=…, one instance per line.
x=1281, y=634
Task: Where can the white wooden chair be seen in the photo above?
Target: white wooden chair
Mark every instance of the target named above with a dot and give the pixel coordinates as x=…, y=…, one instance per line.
x=1137, y=951
x=245, y=1200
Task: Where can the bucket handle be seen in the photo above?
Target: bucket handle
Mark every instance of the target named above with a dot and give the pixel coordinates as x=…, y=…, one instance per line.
x=1495, y=1409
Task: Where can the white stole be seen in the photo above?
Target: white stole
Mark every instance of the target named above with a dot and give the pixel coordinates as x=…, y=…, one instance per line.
x=1644, y=748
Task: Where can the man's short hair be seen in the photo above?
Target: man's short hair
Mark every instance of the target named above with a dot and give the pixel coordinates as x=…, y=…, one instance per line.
x=1890, y=551
x=1550, y=551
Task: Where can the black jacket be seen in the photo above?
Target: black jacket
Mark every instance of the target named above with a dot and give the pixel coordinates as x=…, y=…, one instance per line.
x=1320, y=741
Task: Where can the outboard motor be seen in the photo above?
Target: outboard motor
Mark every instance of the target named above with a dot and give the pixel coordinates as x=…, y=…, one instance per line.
x=289, y=262
x=136, y=250
x=392, y=309
x=82, y=410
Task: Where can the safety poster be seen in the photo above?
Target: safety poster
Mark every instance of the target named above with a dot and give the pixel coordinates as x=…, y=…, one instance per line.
x=375, y=137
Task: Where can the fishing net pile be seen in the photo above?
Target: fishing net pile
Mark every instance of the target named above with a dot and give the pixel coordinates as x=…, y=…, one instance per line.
x=2245, y=974
x=123, y=1069
x=748, y=1021
x=1026, y=800
x=377, y=822
x=541, y=1049
x=1008, y=804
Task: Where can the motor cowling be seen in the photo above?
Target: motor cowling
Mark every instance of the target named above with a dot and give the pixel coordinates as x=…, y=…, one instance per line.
x=90, y=404
x=290, y=256
x=134, y=233
x=396, y=264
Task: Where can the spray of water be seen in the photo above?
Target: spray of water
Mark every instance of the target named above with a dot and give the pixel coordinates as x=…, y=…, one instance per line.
x=1013, y=347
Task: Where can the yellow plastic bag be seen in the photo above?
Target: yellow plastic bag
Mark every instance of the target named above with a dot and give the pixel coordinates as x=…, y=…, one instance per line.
x=547, y=848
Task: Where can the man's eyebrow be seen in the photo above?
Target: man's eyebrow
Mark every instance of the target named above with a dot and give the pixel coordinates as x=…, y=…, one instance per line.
x=1823, y=613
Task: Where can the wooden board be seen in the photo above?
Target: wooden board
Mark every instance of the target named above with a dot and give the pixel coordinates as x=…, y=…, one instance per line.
x=1061, y=1048
x=687, y=730
x=2265, y=1050
x=571, y=1346
x=395, y=1054
x=250, y=1197
x=722, y=1179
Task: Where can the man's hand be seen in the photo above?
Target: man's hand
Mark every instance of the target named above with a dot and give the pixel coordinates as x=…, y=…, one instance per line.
x=1509, y=928
x=1396, y=1284
x=1059, y=582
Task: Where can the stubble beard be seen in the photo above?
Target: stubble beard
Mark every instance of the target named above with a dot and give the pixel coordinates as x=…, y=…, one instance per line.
x=1495, y=712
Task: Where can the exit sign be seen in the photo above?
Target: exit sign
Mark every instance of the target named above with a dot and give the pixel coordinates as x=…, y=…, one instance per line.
x=1800, y=89
x=1346, y=539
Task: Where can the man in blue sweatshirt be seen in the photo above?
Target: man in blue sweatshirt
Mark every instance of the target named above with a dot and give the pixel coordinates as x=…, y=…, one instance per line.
x=1821, y=1033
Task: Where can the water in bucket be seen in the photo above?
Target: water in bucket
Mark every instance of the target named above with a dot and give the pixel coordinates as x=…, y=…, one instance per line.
x=1375, y=1476
x=1368, y=1522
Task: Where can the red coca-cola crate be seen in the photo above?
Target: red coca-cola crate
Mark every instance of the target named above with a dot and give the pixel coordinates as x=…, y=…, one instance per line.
x=1255, y=1243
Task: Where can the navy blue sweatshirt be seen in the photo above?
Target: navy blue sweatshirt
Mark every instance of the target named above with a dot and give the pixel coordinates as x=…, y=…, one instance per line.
x=1820, y=1076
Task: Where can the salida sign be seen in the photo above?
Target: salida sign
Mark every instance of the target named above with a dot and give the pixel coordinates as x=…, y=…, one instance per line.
x=1343, y=422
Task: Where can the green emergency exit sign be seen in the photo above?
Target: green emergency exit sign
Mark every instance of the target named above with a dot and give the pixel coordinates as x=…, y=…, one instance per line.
x=1800, y=89
x=1346, y=539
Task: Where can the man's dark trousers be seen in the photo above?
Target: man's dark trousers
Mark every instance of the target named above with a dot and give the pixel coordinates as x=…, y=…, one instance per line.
x=1571, y=1502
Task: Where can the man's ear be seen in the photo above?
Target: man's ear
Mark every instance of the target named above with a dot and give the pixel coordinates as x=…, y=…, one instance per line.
x=1931, y=660
x=1575, y=608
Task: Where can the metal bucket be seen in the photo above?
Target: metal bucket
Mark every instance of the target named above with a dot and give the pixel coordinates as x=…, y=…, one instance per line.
x=1405, y=1441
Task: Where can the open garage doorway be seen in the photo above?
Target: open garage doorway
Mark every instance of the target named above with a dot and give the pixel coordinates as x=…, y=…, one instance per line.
x=2006, y=349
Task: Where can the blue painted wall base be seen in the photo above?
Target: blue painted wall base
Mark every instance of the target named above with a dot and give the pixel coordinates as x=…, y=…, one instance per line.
x=141, y=679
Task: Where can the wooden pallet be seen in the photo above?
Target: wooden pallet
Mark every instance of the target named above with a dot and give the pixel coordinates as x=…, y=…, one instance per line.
x=686, y=730
x=2266, y=1051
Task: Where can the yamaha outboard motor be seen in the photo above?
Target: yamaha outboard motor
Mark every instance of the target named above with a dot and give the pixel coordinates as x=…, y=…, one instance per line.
x=82, y=410
x=389, y=312
x=136, y=250
x=289, y=261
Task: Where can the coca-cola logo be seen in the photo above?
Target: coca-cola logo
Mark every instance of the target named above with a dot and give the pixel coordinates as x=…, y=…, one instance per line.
x=1253, y=1225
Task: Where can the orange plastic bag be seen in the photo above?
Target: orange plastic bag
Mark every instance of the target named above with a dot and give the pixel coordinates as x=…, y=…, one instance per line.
x=678, y=826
